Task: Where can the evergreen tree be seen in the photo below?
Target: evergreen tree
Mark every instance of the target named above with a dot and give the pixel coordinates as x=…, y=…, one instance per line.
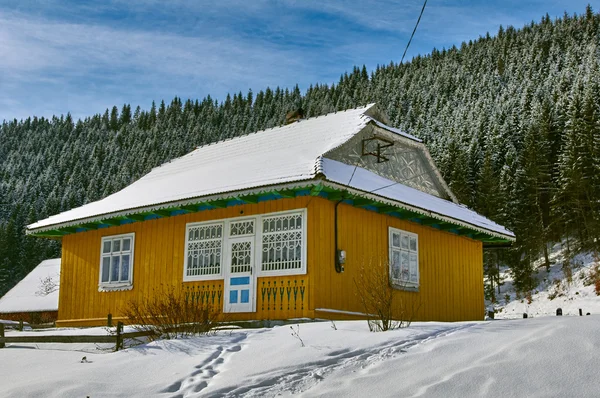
x=512, y=120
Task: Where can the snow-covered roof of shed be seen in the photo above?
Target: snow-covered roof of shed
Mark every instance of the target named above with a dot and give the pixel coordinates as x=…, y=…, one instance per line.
x=283, y=155
x=27, y=295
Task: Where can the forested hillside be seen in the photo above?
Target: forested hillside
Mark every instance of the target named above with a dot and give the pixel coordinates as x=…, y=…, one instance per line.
x=513, y=121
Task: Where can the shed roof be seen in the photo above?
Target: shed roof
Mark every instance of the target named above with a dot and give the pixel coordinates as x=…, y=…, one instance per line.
x=279, y=156
x=27, y=296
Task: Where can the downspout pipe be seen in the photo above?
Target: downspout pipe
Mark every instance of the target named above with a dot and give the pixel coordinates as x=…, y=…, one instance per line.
x=339, y=268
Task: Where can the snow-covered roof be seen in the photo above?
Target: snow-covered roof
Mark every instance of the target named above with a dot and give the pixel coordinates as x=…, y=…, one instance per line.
x=273, y=156
x=277, y=156
x=371, y=183
x=29, y=296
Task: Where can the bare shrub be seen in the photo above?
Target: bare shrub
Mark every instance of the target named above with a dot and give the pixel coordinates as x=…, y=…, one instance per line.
x=529, y=297
x=593, y=278
x=384, y=307
x=172, y=313
x=48, y=285
x=296, y=334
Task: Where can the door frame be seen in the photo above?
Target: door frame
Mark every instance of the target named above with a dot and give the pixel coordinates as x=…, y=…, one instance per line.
x=226, y=260
x=228, y=275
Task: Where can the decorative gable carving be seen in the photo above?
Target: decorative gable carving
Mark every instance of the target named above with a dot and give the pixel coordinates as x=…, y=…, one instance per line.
x=391, y=156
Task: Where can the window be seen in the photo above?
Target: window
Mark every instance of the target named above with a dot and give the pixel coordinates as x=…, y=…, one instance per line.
x=204, y=251
x=116, y=262
x=215, y=248
x=282, y=241
x=404, y=258
x=241, y=228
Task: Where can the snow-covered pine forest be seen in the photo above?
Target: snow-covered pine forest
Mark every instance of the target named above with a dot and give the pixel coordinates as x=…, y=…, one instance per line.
x=512, y=119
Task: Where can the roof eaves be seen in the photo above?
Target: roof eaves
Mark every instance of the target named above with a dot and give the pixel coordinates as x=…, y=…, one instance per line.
x=300, y=183
x=422, y=211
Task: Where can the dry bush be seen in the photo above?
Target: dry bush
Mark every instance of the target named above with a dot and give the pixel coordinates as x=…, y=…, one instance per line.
x=594, y=278
x=172, y=313
x=529, y=297
x=385, y=308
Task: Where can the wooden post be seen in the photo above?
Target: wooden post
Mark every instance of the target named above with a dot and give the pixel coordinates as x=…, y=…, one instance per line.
x=119, y=336
x=2, y=345
x=524, y=315
x=559, y=312
x=21, y=325
x=109, y=321
x=580, y=312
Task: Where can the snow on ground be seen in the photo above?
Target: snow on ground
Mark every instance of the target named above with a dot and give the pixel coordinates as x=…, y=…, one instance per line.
x=554, y=290
x=546, y=356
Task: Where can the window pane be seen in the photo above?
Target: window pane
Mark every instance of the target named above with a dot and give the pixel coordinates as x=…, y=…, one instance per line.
x=404, y=242
x=404, y=266
x=395, y=239
x=413, y=268
x=396, y=265
x=105, y=267
x=126, y=244
x=116, y=245
x=204, y=250
x=106, y=246
x=125, y=268
x=413, y=243
x=114, y=270
x=282, y=250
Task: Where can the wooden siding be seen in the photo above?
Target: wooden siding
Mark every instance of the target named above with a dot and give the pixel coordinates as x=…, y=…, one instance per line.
x=451, y=274
x=450, y=266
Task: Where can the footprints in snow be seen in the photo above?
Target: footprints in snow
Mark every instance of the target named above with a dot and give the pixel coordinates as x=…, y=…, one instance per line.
x=198, y=379
x=302, y=378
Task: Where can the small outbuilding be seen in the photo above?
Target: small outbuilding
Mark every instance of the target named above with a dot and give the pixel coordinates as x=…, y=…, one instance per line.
x=280, y=224
x=35, y=298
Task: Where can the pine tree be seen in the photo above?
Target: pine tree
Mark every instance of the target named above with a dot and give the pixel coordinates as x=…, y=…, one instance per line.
x=512, y=121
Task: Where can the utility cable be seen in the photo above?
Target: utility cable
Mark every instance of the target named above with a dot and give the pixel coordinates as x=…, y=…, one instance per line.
x=413, y=32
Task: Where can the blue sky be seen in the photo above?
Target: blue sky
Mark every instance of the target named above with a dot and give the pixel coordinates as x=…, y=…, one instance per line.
x=82, y=57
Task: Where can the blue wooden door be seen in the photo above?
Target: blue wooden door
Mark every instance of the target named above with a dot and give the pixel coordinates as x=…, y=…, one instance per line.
x=239, y=296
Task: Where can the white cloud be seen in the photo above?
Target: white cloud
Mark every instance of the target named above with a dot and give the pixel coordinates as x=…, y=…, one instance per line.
x=47, y=53
x=57, y=57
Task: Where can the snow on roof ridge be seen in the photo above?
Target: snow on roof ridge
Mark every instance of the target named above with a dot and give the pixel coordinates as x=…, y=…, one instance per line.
x=394, y=130
x=362, y=109
x=282, y=126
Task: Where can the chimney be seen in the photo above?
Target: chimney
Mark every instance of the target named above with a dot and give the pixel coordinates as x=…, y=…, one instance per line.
x=294, y=116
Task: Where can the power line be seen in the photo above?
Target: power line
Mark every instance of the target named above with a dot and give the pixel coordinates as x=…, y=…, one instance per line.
x=414, y=30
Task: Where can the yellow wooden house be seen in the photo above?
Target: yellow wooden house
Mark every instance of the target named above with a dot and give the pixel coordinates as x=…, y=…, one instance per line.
x=280, y=224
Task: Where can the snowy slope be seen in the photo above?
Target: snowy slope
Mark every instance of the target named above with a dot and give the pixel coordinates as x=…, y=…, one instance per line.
x=542, y=357
x=554, y=289
x=26, y=295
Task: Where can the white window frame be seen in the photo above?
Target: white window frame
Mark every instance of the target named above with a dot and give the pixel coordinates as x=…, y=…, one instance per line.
x=127, y=285
x=225, y=255
x=400, y=283
x=259, y=243
x=211, y=277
